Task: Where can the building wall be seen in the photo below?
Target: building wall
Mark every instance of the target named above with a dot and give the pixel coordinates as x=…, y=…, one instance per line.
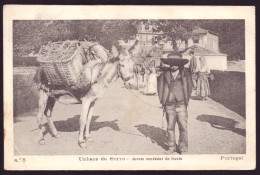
x=215, y=62
x=204, y=39
x=207, y=41
x=212, y=42
x=190, y=42
x=146, y=38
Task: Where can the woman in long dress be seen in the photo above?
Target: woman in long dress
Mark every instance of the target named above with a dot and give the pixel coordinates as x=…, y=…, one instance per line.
x=152, y=79
x=203, y=70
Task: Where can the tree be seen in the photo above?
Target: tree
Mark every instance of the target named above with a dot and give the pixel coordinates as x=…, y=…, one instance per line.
x=31, y=35
x=173, y=30
x=231, y=35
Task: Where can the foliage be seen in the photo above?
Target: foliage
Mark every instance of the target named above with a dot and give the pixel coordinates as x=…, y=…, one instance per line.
x=148, y=53
x=31, y=35
x=231, y=33
x=173, y=30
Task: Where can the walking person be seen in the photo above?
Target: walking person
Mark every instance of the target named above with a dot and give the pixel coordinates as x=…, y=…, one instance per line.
x=137, y=69
x=174, y=91
x=142, y=72
x=193, y=69
x=203, y=90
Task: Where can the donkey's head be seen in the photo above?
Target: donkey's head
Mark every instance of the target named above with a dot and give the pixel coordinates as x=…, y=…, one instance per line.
x=126, y=64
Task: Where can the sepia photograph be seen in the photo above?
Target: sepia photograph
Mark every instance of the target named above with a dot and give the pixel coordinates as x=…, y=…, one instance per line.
x=127, y=90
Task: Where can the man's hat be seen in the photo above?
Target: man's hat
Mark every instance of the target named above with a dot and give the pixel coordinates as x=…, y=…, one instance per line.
x=174, y=59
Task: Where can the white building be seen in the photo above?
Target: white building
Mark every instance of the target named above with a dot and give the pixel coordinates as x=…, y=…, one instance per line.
x=145, y=35
x=203, y=43
x=215, y=60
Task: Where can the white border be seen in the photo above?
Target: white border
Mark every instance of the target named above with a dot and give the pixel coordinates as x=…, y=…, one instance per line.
x=189, y=162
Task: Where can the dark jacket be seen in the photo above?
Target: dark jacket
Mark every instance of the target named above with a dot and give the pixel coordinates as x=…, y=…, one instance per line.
x=193, y=63
x=181, y=87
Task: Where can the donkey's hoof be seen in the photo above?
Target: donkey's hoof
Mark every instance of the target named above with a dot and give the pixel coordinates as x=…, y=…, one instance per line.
x=58, y=135
x=41, y=142
x=82, y=144
x=90, y=139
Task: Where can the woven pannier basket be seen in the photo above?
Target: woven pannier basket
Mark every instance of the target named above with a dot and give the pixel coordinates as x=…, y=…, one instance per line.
x=62, y=62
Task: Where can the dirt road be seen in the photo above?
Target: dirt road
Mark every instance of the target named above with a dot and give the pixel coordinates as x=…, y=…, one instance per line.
x=127, y=123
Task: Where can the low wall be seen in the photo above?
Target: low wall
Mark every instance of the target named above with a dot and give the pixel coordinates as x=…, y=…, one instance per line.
x=25, y=61
x=217, y=62
x=25, y=92
x=228, y=89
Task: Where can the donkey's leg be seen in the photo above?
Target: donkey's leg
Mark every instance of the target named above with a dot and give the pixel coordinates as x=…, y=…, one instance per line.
x=42, y=105
x=86, y=102
x=48, y=112
x=89, y=118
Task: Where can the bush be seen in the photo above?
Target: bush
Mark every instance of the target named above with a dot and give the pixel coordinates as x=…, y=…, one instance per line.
x=25, y=61
x=25, y=93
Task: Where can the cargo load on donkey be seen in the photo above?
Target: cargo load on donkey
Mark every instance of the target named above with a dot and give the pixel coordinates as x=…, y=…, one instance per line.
x=62, y=62
x=70, y=65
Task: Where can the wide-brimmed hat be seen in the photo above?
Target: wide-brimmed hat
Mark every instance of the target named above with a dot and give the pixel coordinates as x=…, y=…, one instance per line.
x=174, y=59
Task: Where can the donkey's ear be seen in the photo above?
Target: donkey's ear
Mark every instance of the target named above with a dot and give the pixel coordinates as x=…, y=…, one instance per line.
x=114, y=51
x=135, y=48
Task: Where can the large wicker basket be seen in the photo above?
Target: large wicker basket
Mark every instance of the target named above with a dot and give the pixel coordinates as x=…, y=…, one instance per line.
x=61, y=62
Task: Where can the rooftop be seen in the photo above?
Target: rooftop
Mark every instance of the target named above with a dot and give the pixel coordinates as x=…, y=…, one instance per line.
x=199, y=30
x=201, y=51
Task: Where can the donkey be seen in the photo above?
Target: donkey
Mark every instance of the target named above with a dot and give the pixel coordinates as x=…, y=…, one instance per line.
x=120, y=65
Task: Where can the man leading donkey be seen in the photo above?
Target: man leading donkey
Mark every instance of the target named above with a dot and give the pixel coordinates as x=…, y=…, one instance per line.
x=174, y=90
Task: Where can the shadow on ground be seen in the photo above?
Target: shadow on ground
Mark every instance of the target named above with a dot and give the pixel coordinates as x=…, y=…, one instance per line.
x=195, y=98
x=17, y=120
x=222, y=123
x=23, y=116
x=157, y=135
x=72, y=125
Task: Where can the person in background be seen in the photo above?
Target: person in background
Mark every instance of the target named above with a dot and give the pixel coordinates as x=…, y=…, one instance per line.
x=138, y=69
x=193, y=69
x=203, y=70
x=142, y=72
x=152, y=79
